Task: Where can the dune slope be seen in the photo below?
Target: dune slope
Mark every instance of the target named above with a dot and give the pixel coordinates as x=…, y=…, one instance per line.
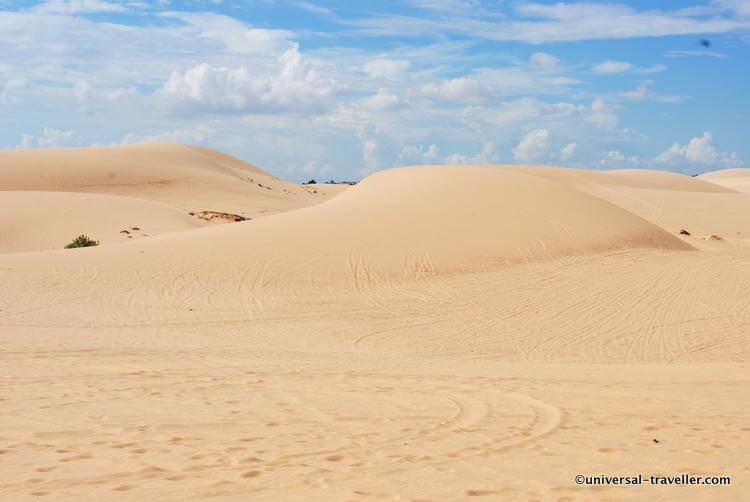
x=36, y=221
x=672, y=201
x=188, y=177
x=455, y=218
x=735, y=179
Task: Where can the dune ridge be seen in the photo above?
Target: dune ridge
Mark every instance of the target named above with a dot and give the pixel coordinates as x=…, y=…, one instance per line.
x=49, y=196
x=736, y=179
x=188, y=177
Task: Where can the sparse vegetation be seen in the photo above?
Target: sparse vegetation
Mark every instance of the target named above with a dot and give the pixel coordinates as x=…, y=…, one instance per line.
x=82, y=241
x=311, y=182
x=216, y=215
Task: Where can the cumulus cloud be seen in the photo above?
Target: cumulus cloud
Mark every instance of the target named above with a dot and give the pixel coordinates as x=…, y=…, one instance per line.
x=699, y=150
x=295, y=87
x=392, y=69
x=48, y=139
x=487, y=154
x=614, y=156
x=418, y=154
x=406, y=97
x=544, y=61
x=601, y=113
x=611, y=67
x=382, y=101
x=532, y=146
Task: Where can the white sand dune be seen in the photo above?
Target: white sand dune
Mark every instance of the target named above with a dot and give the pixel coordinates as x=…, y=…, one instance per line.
x=735, y=179
x=671, y=201
x=433, y=333
x=36, y=221
x=188, y=177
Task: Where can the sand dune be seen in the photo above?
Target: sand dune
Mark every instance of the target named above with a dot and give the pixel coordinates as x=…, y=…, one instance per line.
x=407, y=221
x=432, y=333
x=36, y=221
x=188, y=177
x=671, y=201
x=735, y=179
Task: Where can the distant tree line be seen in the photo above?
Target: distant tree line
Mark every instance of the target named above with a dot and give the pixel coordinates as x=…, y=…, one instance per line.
x=331, y=182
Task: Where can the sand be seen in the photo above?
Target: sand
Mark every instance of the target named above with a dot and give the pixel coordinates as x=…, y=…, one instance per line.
x=432, y=333
x=188, y=177
x=736, y=179
x=39, y=220
x=113, y=194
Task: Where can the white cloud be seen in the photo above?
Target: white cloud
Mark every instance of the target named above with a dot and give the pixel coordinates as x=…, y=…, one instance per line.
x=486, y=155
x=611, y=67
x=392, y=69
x=615, y=156
x=740, y=7
x=9, y=88
x=296, y=87
x=235, y=35
x=538, y=23
x=196, y=135
x=544, y=61
x=699, y=150
x=458, y=89
x=49, y=138
x=315, y=167
x=72, y=7
x=687, y=54
x=641, y=92
x=369, y=155
x=532, y=146
x=568, y=151
x=418, y=154
x=601, y=113
x=82, y=89
x=493, y=83
x=382, y=101
x=657, y=68
x=452, y=93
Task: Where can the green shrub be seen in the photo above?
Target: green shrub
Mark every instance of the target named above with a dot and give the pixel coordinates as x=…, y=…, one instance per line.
x=82, y=241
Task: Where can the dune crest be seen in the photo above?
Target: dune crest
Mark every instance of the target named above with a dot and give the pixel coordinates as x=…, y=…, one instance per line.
x=190, y=178
x=735, y=179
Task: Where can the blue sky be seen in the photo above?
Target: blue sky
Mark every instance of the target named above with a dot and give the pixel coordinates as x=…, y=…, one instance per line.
x=331, y=89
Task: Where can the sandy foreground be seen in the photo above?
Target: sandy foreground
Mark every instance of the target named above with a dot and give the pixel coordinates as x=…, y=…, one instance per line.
x=432, y=333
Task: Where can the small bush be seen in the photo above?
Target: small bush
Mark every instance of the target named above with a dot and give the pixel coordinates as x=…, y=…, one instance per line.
x=82, y=241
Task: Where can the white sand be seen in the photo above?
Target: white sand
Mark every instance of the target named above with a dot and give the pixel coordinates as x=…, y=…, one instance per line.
x=433, y=333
